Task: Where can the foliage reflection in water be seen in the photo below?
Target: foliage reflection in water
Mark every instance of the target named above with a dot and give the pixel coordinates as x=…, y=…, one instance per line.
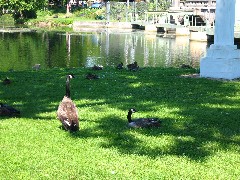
x=20, y=51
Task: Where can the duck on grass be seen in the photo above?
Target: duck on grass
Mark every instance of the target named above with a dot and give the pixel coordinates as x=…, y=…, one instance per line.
x=6, y=110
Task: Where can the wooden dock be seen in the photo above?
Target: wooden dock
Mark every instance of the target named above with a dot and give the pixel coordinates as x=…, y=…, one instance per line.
x=179, y=22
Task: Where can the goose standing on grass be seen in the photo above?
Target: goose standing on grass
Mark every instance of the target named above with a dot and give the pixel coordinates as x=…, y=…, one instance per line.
x=141, y=122
x=67, y=111
x=6, y=110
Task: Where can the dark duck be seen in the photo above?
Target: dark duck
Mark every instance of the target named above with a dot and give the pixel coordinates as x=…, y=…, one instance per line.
x=185, y=66
x=97, y=67
x=67, y=111
x=142, y=122
x=133, y=67
x=6, y=81
x=91, y=76
x=120, y=66
x=6, y=110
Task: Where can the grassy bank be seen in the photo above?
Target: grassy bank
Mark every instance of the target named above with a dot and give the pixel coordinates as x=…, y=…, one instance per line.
x=51, y=18
x=199, y=137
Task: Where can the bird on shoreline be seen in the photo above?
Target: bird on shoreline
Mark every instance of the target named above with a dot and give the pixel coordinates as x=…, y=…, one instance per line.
x=141, y=122
x=120, y=66
x=185, y=66
x=67, y=111
x=97, y=67
x=133, y=67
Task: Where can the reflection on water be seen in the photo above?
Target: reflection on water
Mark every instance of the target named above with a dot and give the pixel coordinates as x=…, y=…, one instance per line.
x=20, y=51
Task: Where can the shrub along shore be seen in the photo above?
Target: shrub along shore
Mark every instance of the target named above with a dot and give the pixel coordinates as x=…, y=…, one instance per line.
x=199, y=137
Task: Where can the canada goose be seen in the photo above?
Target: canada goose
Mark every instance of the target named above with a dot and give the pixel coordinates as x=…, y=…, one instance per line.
x=6, y=110
x=120, y=66
x=141, y=122
x=6, y=81
x=67, y=111
x=91, y=76
x=97, y=67
x=133, y=67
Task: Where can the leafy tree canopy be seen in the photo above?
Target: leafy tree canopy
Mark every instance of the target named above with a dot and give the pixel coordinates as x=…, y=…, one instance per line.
x=21, y=7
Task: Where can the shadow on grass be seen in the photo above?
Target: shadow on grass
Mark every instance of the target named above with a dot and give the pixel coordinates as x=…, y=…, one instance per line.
x=199, y=115
x=150, y=142
x=190, y=141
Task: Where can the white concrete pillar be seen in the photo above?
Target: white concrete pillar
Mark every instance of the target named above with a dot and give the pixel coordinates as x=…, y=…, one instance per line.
x=224, y=23
x=237, y=12
x=222, y=59
x=175, y=5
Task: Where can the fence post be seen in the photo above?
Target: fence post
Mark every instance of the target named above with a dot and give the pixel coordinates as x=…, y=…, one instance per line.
x=127, y=10
x=107, y=12
x=134, y=10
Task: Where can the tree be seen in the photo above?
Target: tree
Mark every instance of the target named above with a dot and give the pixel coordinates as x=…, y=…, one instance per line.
x=22, y=8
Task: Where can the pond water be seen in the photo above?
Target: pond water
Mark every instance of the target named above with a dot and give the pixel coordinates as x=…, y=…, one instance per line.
x=20, y=51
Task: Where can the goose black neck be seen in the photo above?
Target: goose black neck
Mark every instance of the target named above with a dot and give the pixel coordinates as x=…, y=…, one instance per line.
x=129, y=116
x=68, y=87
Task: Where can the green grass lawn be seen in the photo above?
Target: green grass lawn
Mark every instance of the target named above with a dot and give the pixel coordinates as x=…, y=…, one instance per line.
x=199, y=137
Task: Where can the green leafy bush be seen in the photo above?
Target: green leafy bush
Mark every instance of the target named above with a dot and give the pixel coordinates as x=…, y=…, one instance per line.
x=43, y=13
x=89, y=13
x=6, y=20
x=63, y=21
